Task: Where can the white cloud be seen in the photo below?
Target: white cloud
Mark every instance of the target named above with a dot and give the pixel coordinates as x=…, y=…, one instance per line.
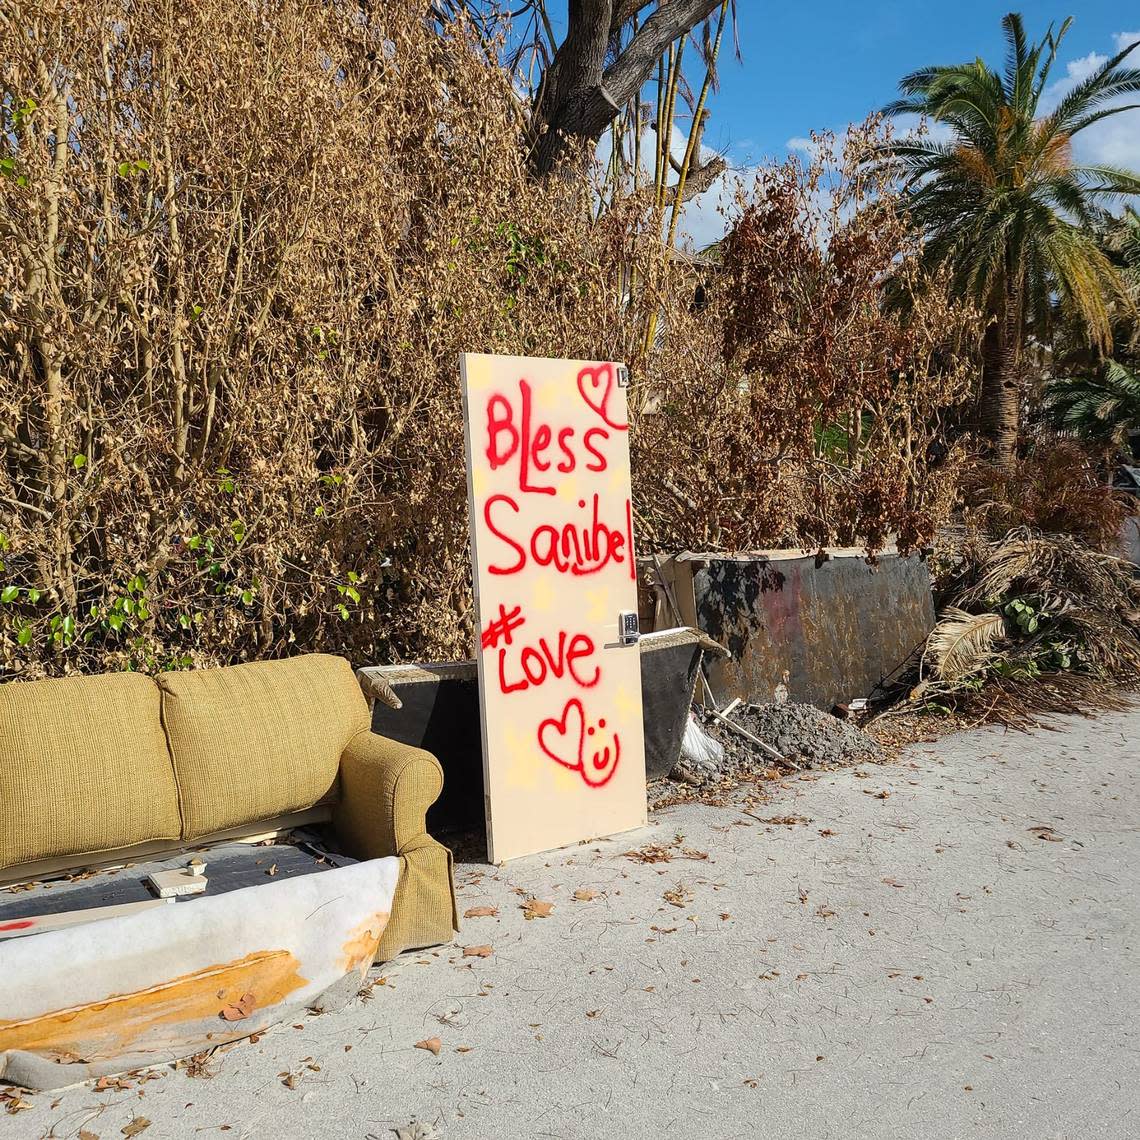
x=806, y=146
x=1078, y=69
x=1114, y=141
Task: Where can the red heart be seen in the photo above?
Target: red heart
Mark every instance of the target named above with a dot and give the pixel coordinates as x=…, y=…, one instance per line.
x=567, y=740
x=597, y=385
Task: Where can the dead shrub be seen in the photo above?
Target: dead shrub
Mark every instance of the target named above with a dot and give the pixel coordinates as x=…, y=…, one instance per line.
x=1056, y=489
x=821, y=419
x=241, y=248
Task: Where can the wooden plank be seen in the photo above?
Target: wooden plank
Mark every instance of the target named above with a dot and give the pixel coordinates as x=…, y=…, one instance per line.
x=37, y=924
x=104, y=860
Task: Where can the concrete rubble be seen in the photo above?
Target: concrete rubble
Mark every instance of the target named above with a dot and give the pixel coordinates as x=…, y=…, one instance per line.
x=801, y=733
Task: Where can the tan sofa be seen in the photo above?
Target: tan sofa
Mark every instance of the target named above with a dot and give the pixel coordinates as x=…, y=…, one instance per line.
x=123, y=766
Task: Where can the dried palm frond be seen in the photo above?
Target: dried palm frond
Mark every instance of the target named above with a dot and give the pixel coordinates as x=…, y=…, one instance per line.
x=1055, y=565
x=962, y=643
x=1079, y=653
x=1020, y=703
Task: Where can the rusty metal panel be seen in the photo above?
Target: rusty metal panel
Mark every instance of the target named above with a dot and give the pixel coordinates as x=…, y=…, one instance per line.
x=836, y=625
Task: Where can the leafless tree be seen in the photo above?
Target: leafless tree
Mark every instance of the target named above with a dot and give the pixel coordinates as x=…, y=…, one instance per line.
x=578, y=87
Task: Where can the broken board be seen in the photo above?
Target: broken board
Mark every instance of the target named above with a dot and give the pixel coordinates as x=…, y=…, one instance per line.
x=556, y=600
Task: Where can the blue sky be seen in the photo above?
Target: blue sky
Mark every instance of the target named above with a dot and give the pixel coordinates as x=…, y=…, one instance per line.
x=822, y=65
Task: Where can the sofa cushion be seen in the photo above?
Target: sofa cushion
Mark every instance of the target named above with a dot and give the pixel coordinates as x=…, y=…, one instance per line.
x=250, y=742
x=84, y=767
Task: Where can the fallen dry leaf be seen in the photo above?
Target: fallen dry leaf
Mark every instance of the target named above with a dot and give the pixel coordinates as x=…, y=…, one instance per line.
x=139, y=1124
x=481, y=912
x=105, y=1083
x=272, y=871
x=477, y=951
x=535, y=908
x=238, y=1010
x=431, y=1044
x=1043, y=831
x=786, y=820
x=83, y=1134
x=585, y=894
x=196, y=1065
x=680, y=895
x=827, y=833
x=13, y=1103
x=894, y=883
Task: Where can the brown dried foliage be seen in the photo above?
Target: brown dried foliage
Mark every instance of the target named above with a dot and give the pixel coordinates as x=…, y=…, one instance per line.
x=822, y=417
x=1056, y=489
x=241, y=248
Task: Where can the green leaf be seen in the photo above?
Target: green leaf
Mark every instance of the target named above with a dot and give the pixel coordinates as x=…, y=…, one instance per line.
x=247, y=597
x=79, y=461
x=353, y=593
x=9, y=594
x=33, y=595
x=24, y=637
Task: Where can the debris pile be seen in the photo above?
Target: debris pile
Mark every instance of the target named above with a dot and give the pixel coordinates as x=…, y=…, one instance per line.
x=803, y=735
x=1031, y=624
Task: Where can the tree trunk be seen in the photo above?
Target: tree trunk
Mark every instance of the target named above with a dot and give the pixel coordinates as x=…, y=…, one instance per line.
x=580, y=96
x=999, y=412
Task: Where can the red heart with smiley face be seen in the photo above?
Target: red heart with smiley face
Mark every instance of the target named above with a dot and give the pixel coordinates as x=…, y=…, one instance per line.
x=598, y=383
x=564, y=740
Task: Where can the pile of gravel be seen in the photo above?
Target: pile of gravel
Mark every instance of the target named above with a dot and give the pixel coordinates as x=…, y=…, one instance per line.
x=802, y=733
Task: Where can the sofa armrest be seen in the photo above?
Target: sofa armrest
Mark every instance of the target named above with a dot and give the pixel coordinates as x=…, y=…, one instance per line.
x=386, y=789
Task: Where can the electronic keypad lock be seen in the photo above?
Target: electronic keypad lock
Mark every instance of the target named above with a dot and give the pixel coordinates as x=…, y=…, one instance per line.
x=629, y=629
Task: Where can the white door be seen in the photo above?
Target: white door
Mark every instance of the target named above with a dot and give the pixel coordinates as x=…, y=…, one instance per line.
x=555, y=580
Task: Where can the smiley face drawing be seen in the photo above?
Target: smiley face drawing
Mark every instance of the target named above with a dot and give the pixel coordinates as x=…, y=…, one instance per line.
x=574, y=742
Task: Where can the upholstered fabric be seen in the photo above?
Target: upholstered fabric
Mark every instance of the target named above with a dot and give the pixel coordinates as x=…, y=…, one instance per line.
x=254, y=741
x=83, y=767
x=386, y=790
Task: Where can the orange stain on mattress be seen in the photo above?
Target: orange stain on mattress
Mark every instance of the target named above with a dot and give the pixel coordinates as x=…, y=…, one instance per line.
x=360, y=948
x=152, y=1017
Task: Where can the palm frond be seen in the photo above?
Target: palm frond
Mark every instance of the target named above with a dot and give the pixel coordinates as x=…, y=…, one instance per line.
x=963, y=643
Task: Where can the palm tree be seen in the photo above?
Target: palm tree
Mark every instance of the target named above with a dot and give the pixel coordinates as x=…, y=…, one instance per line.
x=1103, y=407
x=1006, y=210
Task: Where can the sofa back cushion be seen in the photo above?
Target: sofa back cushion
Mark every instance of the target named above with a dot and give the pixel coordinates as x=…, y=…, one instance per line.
x=84, y=767
x=250, y=742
